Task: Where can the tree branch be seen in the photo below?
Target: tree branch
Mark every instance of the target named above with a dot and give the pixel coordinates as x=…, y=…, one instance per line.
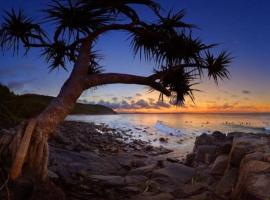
x=113, y=78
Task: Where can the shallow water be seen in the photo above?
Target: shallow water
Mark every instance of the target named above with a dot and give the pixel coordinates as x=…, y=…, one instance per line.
x=181, y=129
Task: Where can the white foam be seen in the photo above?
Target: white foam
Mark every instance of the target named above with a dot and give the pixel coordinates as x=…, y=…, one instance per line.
x=267, y=128
x=160, y=126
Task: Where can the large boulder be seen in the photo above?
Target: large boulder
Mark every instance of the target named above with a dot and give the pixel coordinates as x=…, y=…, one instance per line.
x=225, y=186
x=247, y=144
x=172, y=176
x=252, y=180
x=220, y=165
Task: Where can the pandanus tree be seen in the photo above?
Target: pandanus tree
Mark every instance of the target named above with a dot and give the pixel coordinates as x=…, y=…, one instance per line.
x=178, y=58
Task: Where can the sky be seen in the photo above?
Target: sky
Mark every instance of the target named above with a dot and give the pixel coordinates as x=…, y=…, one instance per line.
x=240, y=26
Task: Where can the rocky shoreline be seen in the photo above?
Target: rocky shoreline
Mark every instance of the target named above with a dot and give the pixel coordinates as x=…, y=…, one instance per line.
x=89, y=161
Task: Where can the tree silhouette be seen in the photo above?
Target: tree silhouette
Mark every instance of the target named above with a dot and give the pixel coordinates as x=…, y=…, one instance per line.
x=179, y=60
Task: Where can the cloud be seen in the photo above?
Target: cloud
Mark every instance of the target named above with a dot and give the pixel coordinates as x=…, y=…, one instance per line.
x=138, y=94
x=139, y=104
x=162, y=104
x=18, y=85
x=115, y=99
x=128, y=98
x=142, y=103
x=246, y=91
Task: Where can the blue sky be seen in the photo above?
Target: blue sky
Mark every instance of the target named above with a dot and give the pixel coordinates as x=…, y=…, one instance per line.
x=240, y=26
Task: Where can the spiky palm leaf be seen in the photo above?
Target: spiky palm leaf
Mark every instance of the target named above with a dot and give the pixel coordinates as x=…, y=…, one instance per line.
x=218, y=67
x=121, y=6
x=74, y=18
x=179, y=82
x=18, y=29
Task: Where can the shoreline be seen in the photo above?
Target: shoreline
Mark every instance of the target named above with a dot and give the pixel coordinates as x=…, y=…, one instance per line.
x=89, y=161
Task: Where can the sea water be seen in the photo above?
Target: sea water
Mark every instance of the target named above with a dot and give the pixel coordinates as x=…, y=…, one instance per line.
x=180, y=129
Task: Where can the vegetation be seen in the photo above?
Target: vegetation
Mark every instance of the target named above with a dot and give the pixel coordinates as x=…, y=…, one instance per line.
x=15, y=108
x=179, y=59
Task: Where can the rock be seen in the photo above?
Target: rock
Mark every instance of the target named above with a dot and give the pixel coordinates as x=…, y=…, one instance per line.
x=249, y=176
x=108, y=180
x=219, y=135
x=52, y=175
x=257, y=187
x=206, y=154
x=47, y=190
x=203, y=196
x=173, y=160
x=247, y=144
x=162, y=139
x=189, y=161
x=161, y=196
x=135, y=180
x=220, y=165
x=172, y=176
x=189, y=190
x=145, y=170
x=226, y=184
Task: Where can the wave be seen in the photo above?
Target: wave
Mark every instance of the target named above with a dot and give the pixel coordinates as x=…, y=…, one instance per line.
x=160, y=126
x=267, y=129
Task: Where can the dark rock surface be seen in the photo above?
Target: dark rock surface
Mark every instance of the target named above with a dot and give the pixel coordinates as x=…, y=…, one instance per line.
x=90, y=161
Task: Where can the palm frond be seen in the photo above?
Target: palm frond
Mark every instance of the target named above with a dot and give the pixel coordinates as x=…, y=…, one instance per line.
x=121, y=6
x=218, y=67
x=179, y=83
x=56, y=55
x=74, y=19
x=18, y=29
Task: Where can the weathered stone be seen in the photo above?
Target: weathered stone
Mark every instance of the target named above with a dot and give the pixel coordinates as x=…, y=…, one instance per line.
x=247, y=144
x=206, y=153
x=52, y=175
x=189, y=190
x=135, y=180
x=108, y=180
x=220, y=165
x=219, y=135
x=257, y=187
x=226, y=184
x=176, y=172
x=161, y=196
x=143, y=170
x=248, y=169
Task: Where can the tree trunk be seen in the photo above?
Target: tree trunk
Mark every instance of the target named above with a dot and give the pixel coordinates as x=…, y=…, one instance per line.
x=29, y=147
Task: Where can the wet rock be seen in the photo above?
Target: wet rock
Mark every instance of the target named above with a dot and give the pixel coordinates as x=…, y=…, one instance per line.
x=162, y=139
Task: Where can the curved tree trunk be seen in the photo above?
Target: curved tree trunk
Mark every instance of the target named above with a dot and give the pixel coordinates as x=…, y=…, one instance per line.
x=29, y=147
x=31, y=144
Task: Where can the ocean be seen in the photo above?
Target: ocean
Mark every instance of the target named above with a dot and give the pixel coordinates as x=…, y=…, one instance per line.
x=180, y=129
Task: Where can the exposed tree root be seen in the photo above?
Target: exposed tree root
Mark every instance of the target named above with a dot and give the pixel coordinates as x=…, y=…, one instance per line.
x=20, y=155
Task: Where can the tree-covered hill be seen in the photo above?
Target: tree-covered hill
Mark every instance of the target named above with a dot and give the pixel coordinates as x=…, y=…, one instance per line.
x=14, y=108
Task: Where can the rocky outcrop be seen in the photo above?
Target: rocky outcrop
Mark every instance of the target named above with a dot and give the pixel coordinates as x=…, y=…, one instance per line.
x=95, y=162
x=234, y=166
